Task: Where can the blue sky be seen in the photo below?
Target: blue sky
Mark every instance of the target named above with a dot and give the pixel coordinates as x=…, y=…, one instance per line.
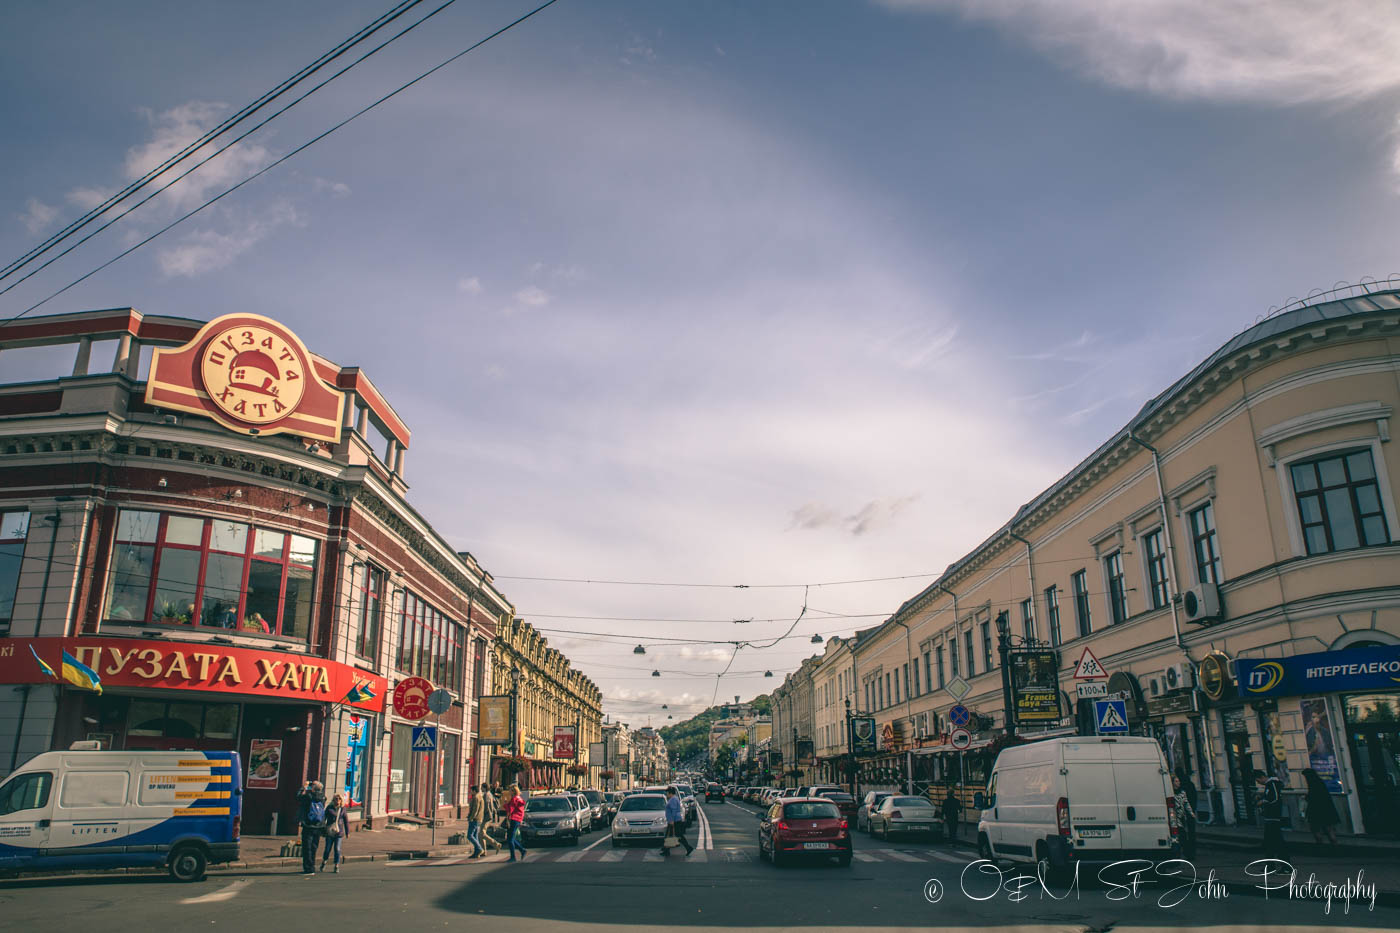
x=729, y=292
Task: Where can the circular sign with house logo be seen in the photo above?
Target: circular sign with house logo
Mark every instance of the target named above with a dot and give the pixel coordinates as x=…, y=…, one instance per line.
x=411, y=697
x=253, y=371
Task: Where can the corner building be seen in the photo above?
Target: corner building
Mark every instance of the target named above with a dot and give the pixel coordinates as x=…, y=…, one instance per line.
x=1229, y=556
x=227, y=542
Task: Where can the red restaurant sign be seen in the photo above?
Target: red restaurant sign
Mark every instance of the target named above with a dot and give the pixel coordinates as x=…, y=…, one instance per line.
x=131, y=662
x=411, y=697
x=565, y=745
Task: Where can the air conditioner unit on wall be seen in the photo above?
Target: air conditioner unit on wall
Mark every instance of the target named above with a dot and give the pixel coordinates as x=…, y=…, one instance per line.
x=1177, y=677
x=1201, y=603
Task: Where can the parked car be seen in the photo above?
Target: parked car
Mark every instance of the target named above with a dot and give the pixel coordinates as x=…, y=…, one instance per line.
x=1090, y=799
x=614, y=799
x=788, y=792
x=640, y=818
x=815, y=790
x=598, y=803
x=899, y=815
x=553, y=818
x=804, y=827
x=50, y=805
x=847, y=804
x=714, y=792
x=867, y=806
x=769, y=796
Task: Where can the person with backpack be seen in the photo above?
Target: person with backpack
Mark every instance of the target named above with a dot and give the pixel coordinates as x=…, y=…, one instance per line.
x=337, y=827
x=311, y=817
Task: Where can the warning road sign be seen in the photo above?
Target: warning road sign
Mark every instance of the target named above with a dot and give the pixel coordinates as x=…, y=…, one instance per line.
x=425, y=738
x=1089, y=667
x=1111, y=716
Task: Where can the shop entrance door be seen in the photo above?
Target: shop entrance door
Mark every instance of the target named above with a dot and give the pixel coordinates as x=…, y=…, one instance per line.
x=1375, y=759
x=1240, y=762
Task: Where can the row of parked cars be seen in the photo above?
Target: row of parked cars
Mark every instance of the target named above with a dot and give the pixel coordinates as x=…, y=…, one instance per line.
x=881, y=813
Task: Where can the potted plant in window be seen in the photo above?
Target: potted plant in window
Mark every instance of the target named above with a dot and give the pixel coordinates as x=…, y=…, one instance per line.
x=254, y=622
x=577, y=770
x=169, y=613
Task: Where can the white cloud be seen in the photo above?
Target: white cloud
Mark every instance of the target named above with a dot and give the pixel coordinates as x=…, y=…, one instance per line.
x=337, y=189
x=174, y=129
x=88, y=197
x=37, y=216
x=1283, y=52
x=532, y=296
x=207, y=250
x=470, y=286
x=871, y=516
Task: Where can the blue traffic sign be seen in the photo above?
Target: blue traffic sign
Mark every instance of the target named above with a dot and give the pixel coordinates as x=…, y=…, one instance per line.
x=960, y=715
x=1111, y=717
x=425, y=738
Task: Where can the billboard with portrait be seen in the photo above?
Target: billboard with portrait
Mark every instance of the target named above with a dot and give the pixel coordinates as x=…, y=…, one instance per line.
x=1320, y=742
x=1035, y=685
x=494, y=720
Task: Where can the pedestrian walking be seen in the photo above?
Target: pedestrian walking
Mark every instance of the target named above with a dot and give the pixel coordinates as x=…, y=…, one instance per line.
x=1271, y=809
x=515, y=815
x=1189, y=787
x=311, y=817
x=337, y=827
x=476, y=814
x=952, y=814
x=675, y=823
x=1185, y=818
x=1321, y=812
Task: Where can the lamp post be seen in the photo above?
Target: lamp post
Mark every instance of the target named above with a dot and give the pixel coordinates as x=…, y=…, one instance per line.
x=1004, y=650
x=851, y=752
x=515, y=748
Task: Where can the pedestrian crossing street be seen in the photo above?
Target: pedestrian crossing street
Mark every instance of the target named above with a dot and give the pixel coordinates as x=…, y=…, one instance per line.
x=716, y=854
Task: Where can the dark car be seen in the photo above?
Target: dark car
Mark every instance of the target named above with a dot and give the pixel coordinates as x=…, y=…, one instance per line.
x=847, y=804
x=714, y=792
x=552, y=819
x=598, y=803
x=798, y=827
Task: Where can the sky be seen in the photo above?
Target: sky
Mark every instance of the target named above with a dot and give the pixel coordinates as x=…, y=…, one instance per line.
x=722, y=292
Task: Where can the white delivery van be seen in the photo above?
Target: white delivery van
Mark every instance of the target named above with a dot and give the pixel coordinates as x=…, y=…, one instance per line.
x=99, y=809
x=1063, y=801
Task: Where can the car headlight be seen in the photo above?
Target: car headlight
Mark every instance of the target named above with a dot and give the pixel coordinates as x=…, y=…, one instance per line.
x=567, y=823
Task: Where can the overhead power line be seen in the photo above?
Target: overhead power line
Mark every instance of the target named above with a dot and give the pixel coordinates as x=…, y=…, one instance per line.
x=299, y=149
x=722, y=586
x=228, y=124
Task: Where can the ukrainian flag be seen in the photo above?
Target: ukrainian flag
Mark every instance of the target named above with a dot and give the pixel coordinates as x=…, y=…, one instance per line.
x=43, y=666
x=359, y=694
x=79, y=674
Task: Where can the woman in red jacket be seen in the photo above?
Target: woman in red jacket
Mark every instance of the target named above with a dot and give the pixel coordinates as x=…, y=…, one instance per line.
x=515, y=815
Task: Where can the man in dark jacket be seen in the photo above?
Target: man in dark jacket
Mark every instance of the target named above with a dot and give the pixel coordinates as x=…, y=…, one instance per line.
x=952, y=815
x=311, y=817
x=1271, y=809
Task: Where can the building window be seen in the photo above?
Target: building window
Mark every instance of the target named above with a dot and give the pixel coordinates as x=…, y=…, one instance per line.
x=430, y=644
x=896, y=685
x=14, y=531
x=953, y=654
x=1156, y=568
x=1204, y=544
x=885, y=698
x=914, y=668
x=938, y=653
x=1339, y=503
x=1052, y=613
x=179, y=570
x=987, y=646
x=1028, y=619
x=1080, y=584
x=1117, y=594
x=967, y=647
x=371, y=612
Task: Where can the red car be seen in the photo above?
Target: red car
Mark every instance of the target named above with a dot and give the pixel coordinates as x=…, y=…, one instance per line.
x=795, y=827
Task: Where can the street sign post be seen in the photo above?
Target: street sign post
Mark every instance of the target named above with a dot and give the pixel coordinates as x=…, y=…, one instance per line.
x=1092, y=690
x=1111, y=717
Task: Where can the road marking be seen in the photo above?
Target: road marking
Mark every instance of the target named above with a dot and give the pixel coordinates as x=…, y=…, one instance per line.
x=901, y=856
x=864, y=857
x=735, y=855
x=652, y=856
x=948, y=857
x=578, y=853
x=449, y=861
x=223, y=894
x=707, y=836
x=616, y=855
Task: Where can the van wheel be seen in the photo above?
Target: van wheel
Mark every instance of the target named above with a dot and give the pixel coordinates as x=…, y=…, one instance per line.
x=1045, y=867
x=984, y=848
x=187, y=863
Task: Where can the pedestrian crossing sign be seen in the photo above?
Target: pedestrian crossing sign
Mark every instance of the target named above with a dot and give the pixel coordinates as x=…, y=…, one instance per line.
x=425, y=738
x=1111, y=716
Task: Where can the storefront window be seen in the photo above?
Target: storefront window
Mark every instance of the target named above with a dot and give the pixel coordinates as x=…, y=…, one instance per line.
x=211, y=572
x=400, y=766
x=159, y=719
x=447, y=769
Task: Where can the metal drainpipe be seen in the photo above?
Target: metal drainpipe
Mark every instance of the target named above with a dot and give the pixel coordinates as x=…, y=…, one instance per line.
x=1030, y=567
x=908, y=704
x=1171, y=547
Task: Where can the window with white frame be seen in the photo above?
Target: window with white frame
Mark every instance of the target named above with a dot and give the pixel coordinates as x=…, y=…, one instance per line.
x=1079, y=582
x=1028, y=619
x=1117, y=590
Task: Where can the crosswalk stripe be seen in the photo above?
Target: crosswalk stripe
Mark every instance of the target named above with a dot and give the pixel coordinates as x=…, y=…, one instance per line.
x=616, y=855
x=900, y=856
x=652, y=856
x=864, y=857
x=949, y=857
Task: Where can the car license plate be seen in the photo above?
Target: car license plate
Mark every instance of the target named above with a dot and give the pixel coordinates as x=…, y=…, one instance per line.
x=816, y=845
x=640, y=832
x=544, y=832
x=918, y=827
x=1096, y=832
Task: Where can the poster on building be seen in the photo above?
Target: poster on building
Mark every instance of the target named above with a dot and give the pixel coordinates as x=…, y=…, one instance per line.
x=356, y=736
x=863, y=741
x=564, y=745
x=1321, y=745
x=1035, y=685
x=597, y=754
x=494, y=724
x=264, y=763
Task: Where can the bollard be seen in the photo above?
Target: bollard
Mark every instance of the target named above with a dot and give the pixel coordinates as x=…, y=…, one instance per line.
x=274, y=825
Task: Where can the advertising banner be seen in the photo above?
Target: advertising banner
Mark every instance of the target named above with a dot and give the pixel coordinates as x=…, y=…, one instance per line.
x=1035, y=685
x=863, y=737
x=1321, y=744
x=494, y=720
x=1371, y=668
x=264, y=763
x=597, y=754
x=564, y=742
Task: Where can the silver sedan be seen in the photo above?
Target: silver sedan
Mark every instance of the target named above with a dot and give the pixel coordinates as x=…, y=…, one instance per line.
x=905, y=816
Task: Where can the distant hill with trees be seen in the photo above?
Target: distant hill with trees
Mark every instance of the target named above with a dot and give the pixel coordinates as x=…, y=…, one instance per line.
x=690, y=738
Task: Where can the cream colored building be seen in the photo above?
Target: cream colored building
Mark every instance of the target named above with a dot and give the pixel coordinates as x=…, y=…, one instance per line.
x=1245, y=513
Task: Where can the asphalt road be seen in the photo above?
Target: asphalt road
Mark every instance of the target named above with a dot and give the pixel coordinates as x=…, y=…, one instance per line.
x=723, y=886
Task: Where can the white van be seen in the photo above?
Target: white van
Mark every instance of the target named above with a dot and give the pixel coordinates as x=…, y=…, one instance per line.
x=1061, y=801
x=100, y=809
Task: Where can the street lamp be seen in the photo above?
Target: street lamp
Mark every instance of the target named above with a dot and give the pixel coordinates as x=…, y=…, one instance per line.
x=851, y=751
x=1004, y=651
x=514, y=711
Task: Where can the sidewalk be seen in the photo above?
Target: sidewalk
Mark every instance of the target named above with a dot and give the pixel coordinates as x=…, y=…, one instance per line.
x=363, y=845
